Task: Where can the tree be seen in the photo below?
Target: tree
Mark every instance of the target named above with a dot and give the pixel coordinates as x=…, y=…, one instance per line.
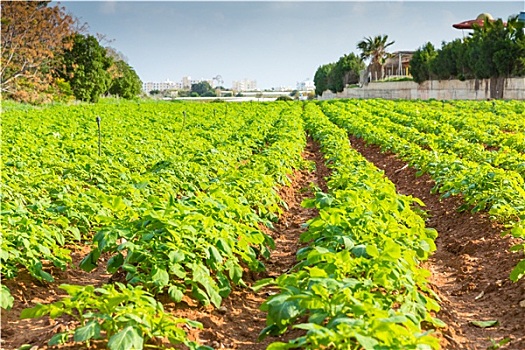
x=492, y=51
x=321, y=78
x=450, y=61
x=86, y=66
x=496, y=49
x=345, y=71
x=421, y=62
x=33, y=34
x=202, y=89
x=126, y=83
x=375, y=50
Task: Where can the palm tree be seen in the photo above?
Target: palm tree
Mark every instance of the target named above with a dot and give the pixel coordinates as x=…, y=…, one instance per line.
x=375, y=49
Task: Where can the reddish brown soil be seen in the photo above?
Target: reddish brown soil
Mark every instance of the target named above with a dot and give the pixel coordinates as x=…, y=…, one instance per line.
x=235, y=325
x=471, y=267
x=27, y=292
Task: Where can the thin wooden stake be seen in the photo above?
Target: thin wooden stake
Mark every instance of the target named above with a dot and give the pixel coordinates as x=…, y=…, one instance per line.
x=183, y=123
x=99, y=137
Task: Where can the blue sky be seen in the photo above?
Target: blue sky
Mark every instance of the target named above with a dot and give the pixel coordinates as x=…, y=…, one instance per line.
x=275, y=43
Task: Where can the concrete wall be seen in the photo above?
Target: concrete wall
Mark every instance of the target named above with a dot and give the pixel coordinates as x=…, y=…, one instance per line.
x=482, y=89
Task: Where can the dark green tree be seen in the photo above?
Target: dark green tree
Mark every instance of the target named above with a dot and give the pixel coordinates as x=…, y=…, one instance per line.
x=126, y=82
x=345, y=71
x=496, y=49
x=420, y=64
x=85, y=67
x=202, y=89
x=321, y=78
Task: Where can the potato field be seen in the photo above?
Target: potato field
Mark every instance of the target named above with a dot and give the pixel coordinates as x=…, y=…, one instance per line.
x=344, y=224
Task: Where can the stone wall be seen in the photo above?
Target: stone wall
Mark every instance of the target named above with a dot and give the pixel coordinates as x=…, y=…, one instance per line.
x=478, y=89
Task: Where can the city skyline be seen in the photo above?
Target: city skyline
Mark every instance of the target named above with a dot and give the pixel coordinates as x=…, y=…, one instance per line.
x=274, y=43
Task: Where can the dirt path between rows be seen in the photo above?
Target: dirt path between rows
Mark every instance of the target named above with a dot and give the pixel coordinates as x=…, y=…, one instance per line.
x=471, y=267
x=235, y=325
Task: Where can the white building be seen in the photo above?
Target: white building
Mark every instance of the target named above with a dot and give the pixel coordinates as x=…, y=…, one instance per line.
x=305, y=85
x=244, y=85
x=161, y=86
x=186, y=82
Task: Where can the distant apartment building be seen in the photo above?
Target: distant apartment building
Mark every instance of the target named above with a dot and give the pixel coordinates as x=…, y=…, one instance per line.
x=161, y=86
x=305, y=85
x=186, y=82
x=244, y=85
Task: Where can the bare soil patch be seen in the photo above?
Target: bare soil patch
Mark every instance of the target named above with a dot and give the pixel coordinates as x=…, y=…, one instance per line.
x=235, y=325
x=471, y=267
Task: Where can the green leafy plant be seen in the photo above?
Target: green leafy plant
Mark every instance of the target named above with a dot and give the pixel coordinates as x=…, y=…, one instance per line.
x=357, y=285
x=427, y=135
x=128, y=317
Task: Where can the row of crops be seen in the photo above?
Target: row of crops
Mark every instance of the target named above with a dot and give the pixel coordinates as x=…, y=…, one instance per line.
x=471, y=149
x=177, y=194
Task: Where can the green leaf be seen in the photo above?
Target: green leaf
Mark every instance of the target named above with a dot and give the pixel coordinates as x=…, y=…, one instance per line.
x=25, y=347
x=36, y=311
x=6, y=299
x=257, y=286
x=268, y=330
x=324, y=200
x=89, y=262
x=372, y=251
x=175, y=293
x=160, y=277
x=224, y=246
x=127, y=339
x=90, y=330
x=518, y=272
x=360, y=251
x=59, y=338
x=215, y=256
x=115, y=262
x=282, y=310
x=117, y=204
x=518, y=232
x=279, y=346
x=176, y=256
x=367, y=342
x=485, y=324
x=200, y=295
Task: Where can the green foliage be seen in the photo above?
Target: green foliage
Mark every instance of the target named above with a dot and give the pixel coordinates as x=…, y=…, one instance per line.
x=86, y=68
x=449, y=143
x=127, y=316
x=492, y=50
x=203, y=89
x=450, y=61
x=321, y=78
x=497, y=50
x=6, y=299
x=177, y=201
x=357, y=284
x=345, y=71
x=127, y=83
x=420, y=64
